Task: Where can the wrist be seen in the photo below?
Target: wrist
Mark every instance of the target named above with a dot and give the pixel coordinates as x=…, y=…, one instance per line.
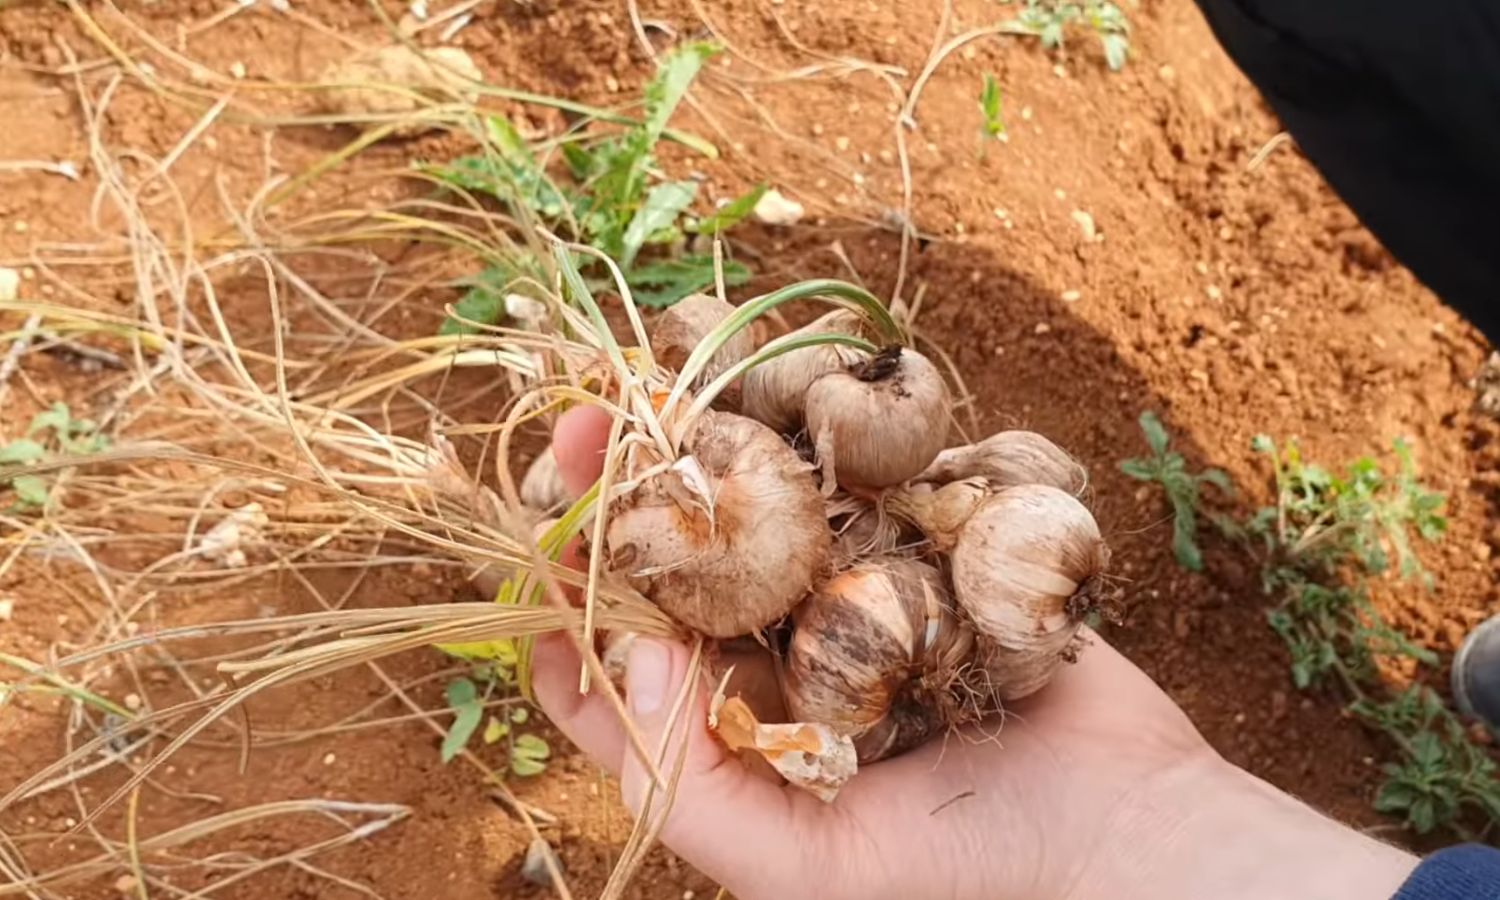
x=1210, y=829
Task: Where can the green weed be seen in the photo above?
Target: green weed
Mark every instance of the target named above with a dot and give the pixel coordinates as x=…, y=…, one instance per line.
x=52, y=431
x=1050, y=20
x=1442, y=776
x=613, y=198
x=990, y=109
x=1323, y=538
x=1167, y=468
x=528, y=752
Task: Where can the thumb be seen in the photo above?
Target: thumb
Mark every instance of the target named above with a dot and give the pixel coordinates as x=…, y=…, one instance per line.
x=722, y=818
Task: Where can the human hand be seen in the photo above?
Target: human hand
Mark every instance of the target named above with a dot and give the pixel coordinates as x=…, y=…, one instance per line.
x=1097, y=787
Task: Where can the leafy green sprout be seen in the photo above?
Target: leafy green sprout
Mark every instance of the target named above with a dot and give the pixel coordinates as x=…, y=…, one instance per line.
x=990, y=108
x=528, y=752
x=1183, y=488
x=1050, y=19
x=613, y=200
x=53, y=430
x=1442, y=774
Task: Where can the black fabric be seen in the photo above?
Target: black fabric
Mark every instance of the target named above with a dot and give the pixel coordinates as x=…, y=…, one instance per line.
x=1398, y=106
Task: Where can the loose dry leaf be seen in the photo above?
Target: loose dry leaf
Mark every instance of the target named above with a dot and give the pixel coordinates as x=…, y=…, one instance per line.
x=811, y=756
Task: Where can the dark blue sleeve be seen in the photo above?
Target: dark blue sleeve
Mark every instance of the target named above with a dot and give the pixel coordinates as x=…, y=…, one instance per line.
x=1465, y=872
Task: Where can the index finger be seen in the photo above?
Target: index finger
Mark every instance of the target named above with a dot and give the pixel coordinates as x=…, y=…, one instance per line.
x=579, y=440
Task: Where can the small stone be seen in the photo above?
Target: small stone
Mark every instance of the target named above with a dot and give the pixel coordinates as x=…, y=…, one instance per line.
x=125, y=884
x=688, y=894
x=1071, y=296
x=887, y=157
x=1059, y=193
x=1167, y=73
x=774, y=208
x=10, y=284
x=841, y=142
x=971, y=52
x=858, y=179
x=817, y=128
x=1200, y=267
x=1060, y=70
x=1026, y=114
x=329, y=759
x=20, y=227
x=1042, y=328
x=612, y=84
x=1226, y=233
x=1086, y=224
x=7, y=609
x=237, y=69
x=62, y=619
x=1213, y=292
x=535, y=869
x=1239, y=718
x=70, y=822
x=132, y=702
x=865, y=157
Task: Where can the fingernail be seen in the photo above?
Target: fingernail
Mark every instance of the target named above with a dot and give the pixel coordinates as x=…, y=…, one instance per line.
x=647, y=676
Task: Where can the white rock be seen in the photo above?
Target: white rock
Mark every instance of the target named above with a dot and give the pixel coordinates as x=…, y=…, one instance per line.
x=535, y=869
x=10, y=284
x=529, y=311
x=7, y=609
x=774, y=208
x=1085, y=224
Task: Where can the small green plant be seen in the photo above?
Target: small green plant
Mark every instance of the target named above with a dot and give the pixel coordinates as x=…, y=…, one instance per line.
x=52, y=431
x=1167, y=468
x=1323, y=538
x=612, y=198
x=1442, y=776
x=467, y=697
x=990, y=109
x=1050, y=20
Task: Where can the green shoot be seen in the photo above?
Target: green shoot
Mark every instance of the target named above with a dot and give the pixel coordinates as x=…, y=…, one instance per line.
x=990, y=108
x=1167, y=468
x=1050, y=20
x=52, y=431
x=528, y=753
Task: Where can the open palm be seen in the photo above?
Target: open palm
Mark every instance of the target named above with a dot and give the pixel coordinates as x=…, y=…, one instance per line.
x=1097, y=787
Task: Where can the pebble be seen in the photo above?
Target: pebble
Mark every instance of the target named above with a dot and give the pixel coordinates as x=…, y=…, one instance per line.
x=10, y=284
x=7, y=609
x=1042, y=328
x=1167, y=73
x=817, y=128
x=1086, y=224
x=1060, y=70
x=1200, y=267
x=841, y=142
x=1071, y=296
x=132, y=702
x=1026, y=113
x=887, y=157
x=125, y=884
x=329, y=759
x=1213, y=292
x=535, y=869
x=237, y=69
x=612, y=84
x=1059, y=193
x=20, y=227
